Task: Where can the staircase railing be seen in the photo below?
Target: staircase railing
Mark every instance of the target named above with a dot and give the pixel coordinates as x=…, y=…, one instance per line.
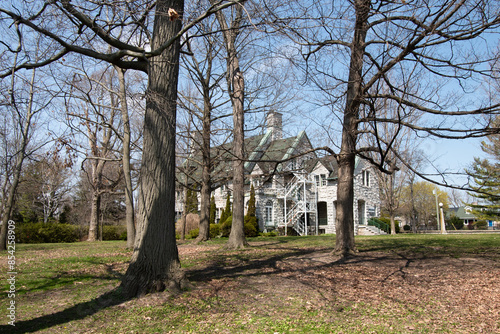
x=379, y=224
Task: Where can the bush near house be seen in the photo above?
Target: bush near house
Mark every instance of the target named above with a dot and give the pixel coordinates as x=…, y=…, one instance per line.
x=454, y=222
x=480, y=225
x=214, y=230
x=249, y=226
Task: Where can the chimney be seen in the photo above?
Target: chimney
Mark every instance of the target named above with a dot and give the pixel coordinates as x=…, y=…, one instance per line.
x=274, y=124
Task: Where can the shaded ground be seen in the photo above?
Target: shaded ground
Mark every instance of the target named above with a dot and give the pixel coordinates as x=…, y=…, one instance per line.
x=428, y=292
x=278, y=285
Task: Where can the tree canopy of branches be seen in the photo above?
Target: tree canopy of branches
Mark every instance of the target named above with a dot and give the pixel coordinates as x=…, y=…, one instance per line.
x=417, y=54
x=119, y=33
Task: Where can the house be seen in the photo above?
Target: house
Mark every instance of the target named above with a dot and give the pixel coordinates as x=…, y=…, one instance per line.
x=466, y=214
x=295, y=189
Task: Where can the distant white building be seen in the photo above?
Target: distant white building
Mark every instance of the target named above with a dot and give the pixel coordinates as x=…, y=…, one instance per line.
x=299, y=193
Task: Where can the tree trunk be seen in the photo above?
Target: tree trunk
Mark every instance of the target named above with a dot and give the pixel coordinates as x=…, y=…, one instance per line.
x=236, y=84
x=94, y=216
x=184, y=213
x=393, y=224
x=346, y=159
x=392, y=204
x=206, y=184
x=155, y=263
x=127, y=171
x=7, y=213
x=237, y=236
x=21, y=154
x=344, y=223
x=97, y=171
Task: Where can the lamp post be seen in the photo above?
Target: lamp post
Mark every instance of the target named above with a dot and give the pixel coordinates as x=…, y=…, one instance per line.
x=437, y=209
x=443, y=227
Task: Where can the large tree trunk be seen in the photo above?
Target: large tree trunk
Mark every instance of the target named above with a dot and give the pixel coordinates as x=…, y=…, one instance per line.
x=95, y=213
x=346, y=158
x=127, y=170
x=237, y=236
x=155, y=263
x=94, y=216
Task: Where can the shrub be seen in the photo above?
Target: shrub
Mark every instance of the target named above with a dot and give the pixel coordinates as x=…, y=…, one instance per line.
x=192, y=222
x=480, y=225
x=114, y=232
x=455, y=223
x=270, y=234
x=214, y=230
x=248, y=227
x=193, y=234
x=251, y=226
x=46, y=232
x=407, y=227
x=387, y=221
x=225, y=227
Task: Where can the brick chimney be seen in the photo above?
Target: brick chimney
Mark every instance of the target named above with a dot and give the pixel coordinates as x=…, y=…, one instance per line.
x=274, y=123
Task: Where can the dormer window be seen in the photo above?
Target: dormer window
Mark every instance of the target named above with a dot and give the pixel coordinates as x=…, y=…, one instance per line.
x=323, y=179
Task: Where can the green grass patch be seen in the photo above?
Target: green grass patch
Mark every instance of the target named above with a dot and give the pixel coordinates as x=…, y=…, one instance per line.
x=274, y=286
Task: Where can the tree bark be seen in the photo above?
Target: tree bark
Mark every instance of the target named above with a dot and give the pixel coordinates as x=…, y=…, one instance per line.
x=127, y=170
x=94, y=216
x=346, y=158
x=206, y=179
x=97, y=170
x=155, y=264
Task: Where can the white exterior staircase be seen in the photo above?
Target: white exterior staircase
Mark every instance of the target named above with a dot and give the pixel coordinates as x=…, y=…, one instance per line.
x=299, y=198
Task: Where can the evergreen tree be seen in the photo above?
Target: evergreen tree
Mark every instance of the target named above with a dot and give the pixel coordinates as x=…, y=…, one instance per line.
x=213, y=209
x=251, y=203
x=192, y=201
x=227, y=210
x=486, y=177
x=251, y=224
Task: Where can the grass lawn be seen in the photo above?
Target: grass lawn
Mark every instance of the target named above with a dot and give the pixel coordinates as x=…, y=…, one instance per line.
x=395, y=284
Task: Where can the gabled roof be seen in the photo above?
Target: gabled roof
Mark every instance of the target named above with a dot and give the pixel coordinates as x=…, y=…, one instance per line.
x=463, y=212
x=329, y=162
x=278, y=150
x=259, y=150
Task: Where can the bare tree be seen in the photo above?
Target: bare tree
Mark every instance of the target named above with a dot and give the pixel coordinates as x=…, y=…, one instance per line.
x=379, y=47
x=230, y=26
x=207, y=80
x=23, y=110
x=155, y=263
x=127, y=169
x=93, y=112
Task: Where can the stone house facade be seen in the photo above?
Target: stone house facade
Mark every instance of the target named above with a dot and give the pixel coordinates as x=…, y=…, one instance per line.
x=295, y=190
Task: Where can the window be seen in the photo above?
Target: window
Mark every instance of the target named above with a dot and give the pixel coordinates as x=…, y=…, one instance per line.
x=365, y=178
x=323, y=179
x=316, y=178
x=268, y=213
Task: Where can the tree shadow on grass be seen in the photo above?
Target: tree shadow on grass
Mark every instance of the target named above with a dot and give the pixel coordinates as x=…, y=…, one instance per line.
x=76, y=312
x=218, y=268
